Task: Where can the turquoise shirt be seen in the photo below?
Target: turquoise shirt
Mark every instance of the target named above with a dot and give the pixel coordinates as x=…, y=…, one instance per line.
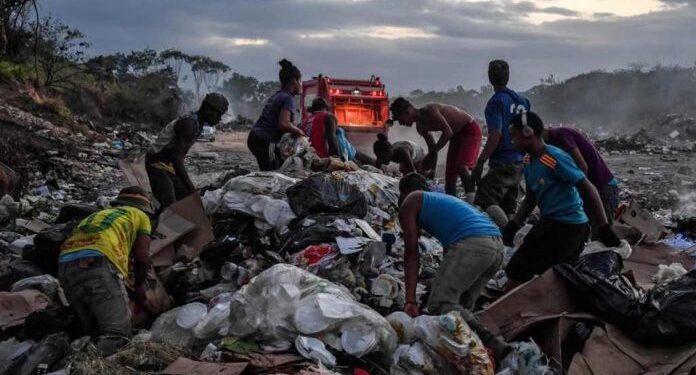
x=450, y=219
x=552, y=177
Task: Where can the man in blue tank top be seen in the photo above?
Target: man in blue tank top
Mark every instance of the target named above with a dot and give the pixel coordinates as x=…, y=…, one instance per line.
x=555, y=184
x=473, y=252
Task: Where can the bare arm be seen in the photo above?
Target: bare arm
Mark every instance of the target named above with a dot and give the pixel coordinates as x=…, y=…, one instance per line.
x=407, y=219
x=438, y=123
x=526, y=208
x=429, y=140
x=285, y=124
x=141, y=255
x=579, y=160
x=589, y=194
x=186, y=133
x=330, y=135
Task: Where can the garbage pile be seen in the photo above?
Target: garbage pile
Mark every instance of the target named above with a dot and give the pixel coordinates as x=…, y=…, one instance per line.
x=302, y=272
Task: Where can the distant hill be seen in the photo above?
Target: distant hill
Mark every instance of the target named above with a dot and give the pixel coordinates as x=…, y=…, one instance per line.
x=623, y=100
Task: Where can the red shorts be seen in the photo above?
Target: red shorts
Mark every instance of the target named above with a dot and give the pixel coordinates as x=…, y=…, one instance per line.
x=463, y=149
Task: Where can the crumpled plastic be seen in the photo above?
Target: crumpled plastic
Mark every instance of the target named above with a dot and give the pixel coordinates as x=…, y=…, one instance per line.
x=285, y=301
x=525, y=359
x=666, y=274
x=444, y=344
x=258, y=194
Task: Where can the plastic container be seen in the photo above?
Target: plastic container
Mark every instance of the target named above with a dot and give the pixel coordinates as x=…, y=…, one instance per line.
x=189, y=315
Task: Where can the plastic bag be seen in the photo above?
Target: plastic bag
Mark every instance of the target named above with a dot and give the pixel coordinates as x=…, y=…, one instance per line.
x=451, y=338
x=663, y=315
x=46, y=284
x=669, y=313
x=285, y=301
x=326, y=193
x=215, y=323
x=525, y=359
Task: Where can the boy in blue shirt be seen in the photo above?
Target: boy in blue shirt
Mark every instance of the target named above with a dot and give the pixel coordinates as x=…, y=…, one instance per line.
x=500, y=186
x=473, y=252
x=555, y=184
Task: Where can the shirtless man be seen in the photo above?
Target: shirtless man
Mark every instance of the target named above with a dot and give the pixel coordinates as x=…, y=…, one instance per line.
x=457, y=127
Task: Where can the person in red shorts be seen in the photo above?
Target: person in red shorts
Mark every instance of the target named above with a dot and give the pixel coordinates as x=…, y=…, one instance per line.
x=457, y=128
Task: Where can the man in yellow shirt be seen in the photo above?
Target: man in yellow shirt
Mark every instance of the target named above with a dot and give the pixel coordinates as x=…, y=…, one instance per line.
x=94, y=262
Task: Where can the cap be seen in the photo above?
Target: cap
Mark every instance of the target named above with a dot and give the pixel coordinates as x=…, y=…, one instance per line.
x=134, y=196
x=216, y=101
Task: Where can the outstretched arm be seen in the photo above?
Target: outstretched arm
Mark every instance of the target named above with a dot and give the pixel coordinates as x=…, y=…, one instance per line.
x=407, y=219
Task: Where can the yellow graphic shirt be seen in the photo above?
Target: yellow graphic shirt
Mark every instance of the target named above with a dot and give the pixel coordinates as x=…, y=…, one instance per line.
x=111, y=232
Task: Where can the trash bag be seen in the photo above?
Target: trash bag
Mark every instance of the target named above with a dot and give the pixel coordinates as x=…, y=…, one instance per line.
x=52, y=320
x=663, y=315
x=326, y=193
x=47, y=245
x=312, y=230
x=43, y=356
x=13, y=270
x=597, y=278
x=74, y=212
x=669, y=313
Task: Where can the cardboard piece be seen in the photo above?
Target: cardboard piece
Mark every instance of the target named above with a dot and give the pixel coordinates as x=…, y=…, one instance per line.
x=185, y=366
x=16, y=306
x=191, y=209
x=543, y=298
x=646, y=257
x=170, y=228
x=34, y=225
x=609, y=351
x=133, y=169
x=643, y=220
x=165, y=257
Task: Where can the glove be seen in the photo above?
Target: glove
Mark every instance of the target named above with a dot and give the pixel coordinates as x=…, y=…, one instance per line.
x=509, y=232
x=608, y=237
x=476, y=173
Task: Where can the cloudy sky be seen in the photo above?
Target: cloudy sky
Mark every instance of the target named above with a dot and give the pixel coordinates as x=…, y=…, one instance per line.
x=429, y=44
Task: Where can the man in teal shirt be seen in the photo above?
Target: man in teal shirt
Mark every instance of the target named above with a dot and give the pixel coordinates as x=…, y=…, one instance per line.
x=554, y=184
x=473, y=253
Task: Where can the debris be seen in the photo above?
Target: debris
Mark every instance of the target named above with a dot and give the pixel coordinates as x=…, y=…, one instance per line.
x=16, y=306
x=666, y=274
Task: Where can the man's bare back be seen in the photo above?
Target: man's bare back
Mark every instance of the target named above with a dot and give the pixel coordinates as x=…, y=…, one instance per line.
x=455, y=117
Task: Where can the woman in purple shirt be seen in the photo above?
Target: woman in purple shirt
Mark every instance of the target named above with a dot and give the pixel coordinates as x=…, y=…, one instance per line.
x=592, y=164
x=276, y=118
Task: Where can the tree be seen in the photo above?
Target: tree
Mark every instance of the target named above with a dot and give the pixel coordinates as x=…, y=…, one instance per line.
x=60, y=51
x=14, y=16
x=208, y=71
x=142, y=62
x=175, y=59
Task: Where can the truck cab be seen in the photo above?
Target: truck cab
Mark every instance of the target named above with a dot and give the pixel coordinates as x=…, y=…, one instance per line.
x=360, y=106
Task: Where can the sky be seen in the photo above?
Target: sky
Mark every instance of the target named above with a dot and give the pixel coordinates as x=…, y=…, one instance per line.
x=410, y=44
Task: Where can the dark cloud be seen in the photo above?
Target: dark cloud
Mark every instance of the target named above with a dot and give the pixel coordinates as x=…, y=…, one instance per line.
x=450, y=44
